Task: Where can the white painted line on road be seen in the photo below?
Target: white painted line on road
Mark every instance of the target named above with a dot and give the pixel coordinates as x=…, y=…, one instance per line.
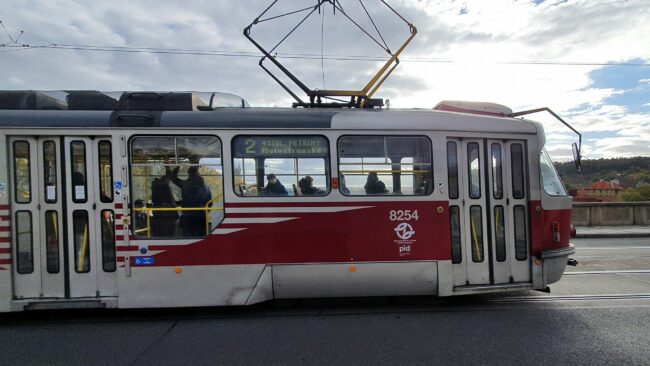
x=607, y=272
x=551, y=298
x=609, y=248
x=612, y=256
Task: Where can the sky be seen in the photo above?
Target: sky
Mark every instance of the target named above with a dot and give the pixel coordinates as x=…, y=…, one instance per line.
x=587, y=60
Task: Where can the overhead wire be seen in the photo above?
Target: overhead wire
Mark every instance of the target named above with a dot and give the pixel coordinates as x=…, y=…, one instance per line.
x=12, y=46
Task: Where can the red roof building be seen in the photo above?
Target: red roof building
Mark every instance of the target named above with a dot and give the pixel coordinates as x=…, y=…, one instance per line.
x=602, y=191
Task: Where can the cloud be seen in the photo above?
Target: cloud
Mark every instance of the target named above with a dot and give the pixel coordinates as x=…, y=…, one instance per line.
x=467, y=50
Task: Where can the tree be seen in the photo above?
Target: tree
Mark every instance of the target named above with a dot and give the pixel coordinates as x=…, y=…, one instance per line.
x=635, y=194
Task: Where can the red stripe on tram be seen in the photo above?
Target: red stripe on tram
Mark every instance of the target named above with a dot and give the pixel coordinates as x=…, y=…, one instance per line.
x=5, y=239
x=5, y=261
x=5, y=229
x=5, y=250
x=5, y=207
x=5, y=218
x=119, y=205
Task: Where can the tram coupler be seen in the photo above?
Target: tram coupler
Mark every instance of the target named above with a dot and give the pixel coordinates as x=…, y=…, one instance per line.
x=572, y=262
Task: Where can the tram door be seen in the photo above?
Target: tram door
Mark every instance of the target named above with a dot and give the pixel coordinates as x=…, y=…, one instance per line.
x=61, y=223
x=487, y=198
x=36, y=217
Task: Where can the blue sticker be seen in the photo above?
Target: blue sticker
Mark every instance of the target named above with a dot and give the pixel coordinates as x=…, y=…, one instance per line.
x=143, y=261
x=118, y=184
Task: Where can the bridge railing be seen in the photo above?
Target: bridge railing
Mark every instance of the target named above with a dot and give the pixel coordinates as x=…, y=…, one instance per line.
x=611, y=213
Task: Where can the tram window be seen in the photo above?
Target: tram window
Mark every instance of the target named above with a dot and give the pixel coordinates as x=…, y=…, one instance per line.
x=105, y=171
x=379, y=165
x=497, y=175
x=79, y=176
x=499, y=233
x=474, y=170
x=22, y=172
x=52, y=241
x=452, y=169
x=108, y=241
x=24, y=242
x=521, y=250
x=297, y=165
x=81, y=241
x=176, y=185
x=551, y=181
x=49, y=171
x=517, y=161
x=456, y=248
x=476, y=227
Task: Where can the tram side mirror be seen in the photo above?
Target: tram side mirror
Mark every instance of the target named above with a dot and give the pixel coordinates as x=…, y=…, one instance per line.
x=576, y=156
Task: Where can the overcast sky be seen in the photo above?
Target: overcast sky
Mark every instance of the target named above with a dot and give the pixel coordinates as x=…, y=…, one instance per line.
x=587, y=60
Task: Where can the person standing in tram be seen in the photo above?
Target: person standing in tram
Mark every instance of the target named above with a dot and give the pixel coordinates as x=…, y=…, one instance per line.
x=163, y=222
x=274, y=187
x=374, y=185
x=195, y=195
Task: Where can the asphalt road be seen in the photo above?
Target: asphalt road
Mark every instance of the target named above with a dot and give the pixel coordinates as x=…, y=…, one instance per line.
x=598, y=314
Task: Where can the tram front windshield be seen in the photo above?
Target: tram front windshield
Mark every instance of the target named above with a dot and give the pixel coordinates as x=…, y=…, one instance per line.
x=550, y=179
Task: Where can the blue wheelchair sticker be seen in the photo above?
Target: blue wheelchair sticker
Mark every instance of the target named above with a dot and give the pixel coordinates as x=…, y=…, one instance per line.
x=143, y=261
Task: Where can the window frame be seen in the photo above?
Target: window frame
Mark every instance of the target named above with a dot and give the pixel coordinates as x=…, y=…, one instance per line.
x=111, y=198
x=72, y=171
x=328, y=167
x=338, y=164
x=129, y=154
x=29, y=172
x=515, y=179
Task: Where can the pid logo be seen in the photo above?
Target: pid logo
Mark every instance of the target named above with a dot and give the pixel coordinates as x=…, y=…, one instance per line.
x=404, y=231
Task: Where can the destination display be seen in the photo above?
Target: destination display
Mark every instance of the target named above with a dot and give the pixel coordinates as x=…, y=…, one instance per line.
x=281, y=146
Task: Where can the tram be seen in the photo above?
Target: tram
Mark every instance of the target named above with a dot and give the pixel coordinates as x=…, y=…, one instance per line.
x=151, y=199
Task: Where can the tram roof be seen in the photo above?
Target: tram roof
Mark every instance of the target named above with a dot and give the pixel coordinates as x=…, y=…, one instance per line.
x=230, y=117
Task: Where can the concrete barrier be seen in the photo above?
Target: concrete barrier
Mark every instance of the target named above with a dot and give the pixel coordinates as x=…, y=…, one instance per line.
x=611, y=213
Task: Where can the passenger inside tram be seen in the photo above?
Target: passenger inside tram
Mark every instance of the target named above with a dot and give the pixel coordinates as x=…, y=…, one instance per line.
x=307, y=188
x=195, y=194
x=274, y=187
x=374, y=185
x=164, y=221
x=343, y=187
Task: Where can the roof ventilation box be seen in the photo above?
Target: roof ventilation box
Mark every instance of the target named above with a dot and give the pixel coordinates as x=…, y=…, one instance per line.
x=484, y=108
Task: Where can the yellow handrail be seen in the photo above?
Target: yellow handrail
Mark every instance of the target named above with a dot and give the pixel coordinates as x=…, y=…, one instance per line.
x=364, y=172
x=82, y=255
x=150, y=210
x=478, y=250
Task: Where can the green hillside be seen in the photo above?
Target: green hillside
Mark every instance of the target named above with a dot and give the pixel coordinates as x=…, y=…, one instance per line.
x=630, y=172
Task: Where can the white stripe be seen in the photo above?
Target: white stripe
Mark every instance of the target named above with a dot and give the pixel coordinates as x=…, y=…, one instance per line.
x=293, y=209
x=256, y=220
x=227, y=231
x=5, y=245
x=135, y=253
x=4, y=223
x=4, y=212
x=145, y=242
x=5, y=255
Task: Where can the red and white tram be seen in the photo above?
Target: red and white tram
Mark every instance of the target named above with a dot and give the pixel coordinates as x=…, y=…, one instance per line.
x=171, y=199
